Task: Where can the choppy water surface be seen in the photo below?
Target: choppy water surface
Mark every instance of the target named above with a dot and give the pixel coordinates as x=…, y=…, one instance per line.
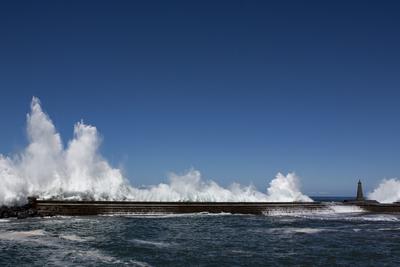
x=350, y=238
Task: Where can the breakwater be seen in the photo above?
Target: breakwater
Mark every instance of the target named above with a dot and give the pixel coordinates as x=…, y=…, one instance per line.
x=72, y=208
x=37, y=207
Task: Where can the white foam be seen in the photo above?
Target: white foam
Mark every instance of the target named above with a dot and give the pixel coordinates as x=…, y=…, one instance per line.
x=377, y=218
x=297, y=230
x=97, y=255
x=286, y=189
x=389, y=229
x=49, y=169
x=305, y=230
x=328, y=210
x=337, y=208
x=388, y=191
x=151, y=243
x=75, y=238
x=168, y=215
x=21, y=235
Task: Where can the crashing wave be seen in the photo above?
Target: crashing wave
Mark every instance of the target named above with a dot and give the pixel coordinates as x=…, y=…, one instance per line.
x=388, y=191
x=47, y=169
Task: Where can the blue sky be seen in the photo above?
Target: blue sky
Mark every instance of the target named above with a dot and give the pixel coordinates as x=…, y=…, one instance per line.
x=237, y=89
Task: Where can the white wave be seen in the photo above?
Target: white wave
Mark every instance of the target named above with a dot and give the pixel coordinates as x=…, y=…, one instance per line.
x=344, y=217
x=286, y=189
x=288, y=212
x=4, y=220
x=389, y=229
x=191, y=187
x=336, y=208
x=377, y=218
x=96, y=255
x=330, y=209
x=161, y=215
x=388, y=191
x=46, y=169
x=296, y=230
x=151, y=243
x=305, y=230
x=21, y=235
x=75, y=238
x=49, y=170
x=372, y=218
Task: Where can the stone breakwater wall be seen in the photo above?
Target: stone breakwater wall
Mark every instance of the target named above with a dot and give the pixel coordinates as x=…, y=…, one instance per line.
x=74, y=208
x=83, y=208
x=20, y=212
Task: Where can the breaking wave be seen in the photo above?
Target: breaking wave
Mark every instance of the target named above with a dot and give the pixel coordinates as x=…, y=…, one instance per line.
x=388, y=191
x=147, y=243
x=329, y=209
x=47, y=169
x=22, y=235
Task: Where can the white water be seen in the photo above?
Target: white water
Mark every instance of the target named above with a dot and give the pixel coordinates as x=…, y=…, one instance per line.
x=77, y=171
x=330, y=209
x=13, y=235
x=388, y=191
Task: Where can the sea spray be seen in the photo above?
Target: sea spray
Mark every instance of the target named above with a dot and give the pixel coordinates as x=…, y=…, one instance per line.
x=388, y=191
x=191, y=187
x=49, y=170
x=286, y=188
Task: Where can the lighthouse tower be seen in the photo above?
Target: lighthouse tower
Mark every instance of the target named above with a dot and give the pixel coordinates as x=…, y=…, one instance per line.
x=360, y=195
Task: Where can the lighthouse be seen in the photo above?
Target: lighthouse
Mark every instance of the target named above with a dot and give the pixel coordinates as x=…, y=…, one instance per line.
x=360, y=195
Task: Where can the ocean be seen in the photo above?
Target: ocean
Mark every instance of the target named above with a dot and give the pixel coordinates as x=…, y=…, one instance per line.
x=337, y=238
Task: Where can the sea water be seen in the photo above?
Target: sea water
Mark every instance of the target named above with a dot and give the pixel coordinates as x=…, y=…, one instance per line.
x=342, y=237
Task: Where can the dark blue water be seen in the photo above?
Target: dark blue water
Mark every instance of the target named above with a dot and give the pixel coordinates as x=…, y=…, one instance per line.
x=338, y=237
x=331, y=199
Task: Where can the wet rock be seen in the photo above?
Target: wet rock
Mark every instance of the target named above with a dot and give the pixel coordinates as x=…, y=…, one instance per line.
x=3, y=213
x=21, y=212
x=22, y=215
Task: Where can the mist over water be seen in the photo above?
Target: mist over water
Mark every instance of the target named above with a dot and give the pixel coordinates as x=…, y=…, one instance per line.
x=77, y=171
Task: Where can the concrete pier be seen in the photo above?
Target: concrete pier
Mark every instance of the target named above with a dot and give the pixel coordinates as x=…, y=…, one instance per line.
x=71, y=208
x=80, y=208
x=37, y=207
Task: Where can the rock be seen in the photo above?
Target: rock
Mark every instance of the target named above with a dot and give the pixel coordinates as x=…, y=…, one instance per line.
x=3, y=214
x=21, y=212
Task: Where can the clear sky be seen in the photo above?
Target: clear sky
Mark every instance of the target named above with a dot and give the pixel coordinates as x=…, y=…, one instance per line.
x=237, y=89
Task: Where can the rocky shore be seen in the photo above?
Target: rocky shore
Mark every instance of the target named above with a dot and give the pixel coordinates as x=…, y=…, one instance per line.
x=20, y=212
